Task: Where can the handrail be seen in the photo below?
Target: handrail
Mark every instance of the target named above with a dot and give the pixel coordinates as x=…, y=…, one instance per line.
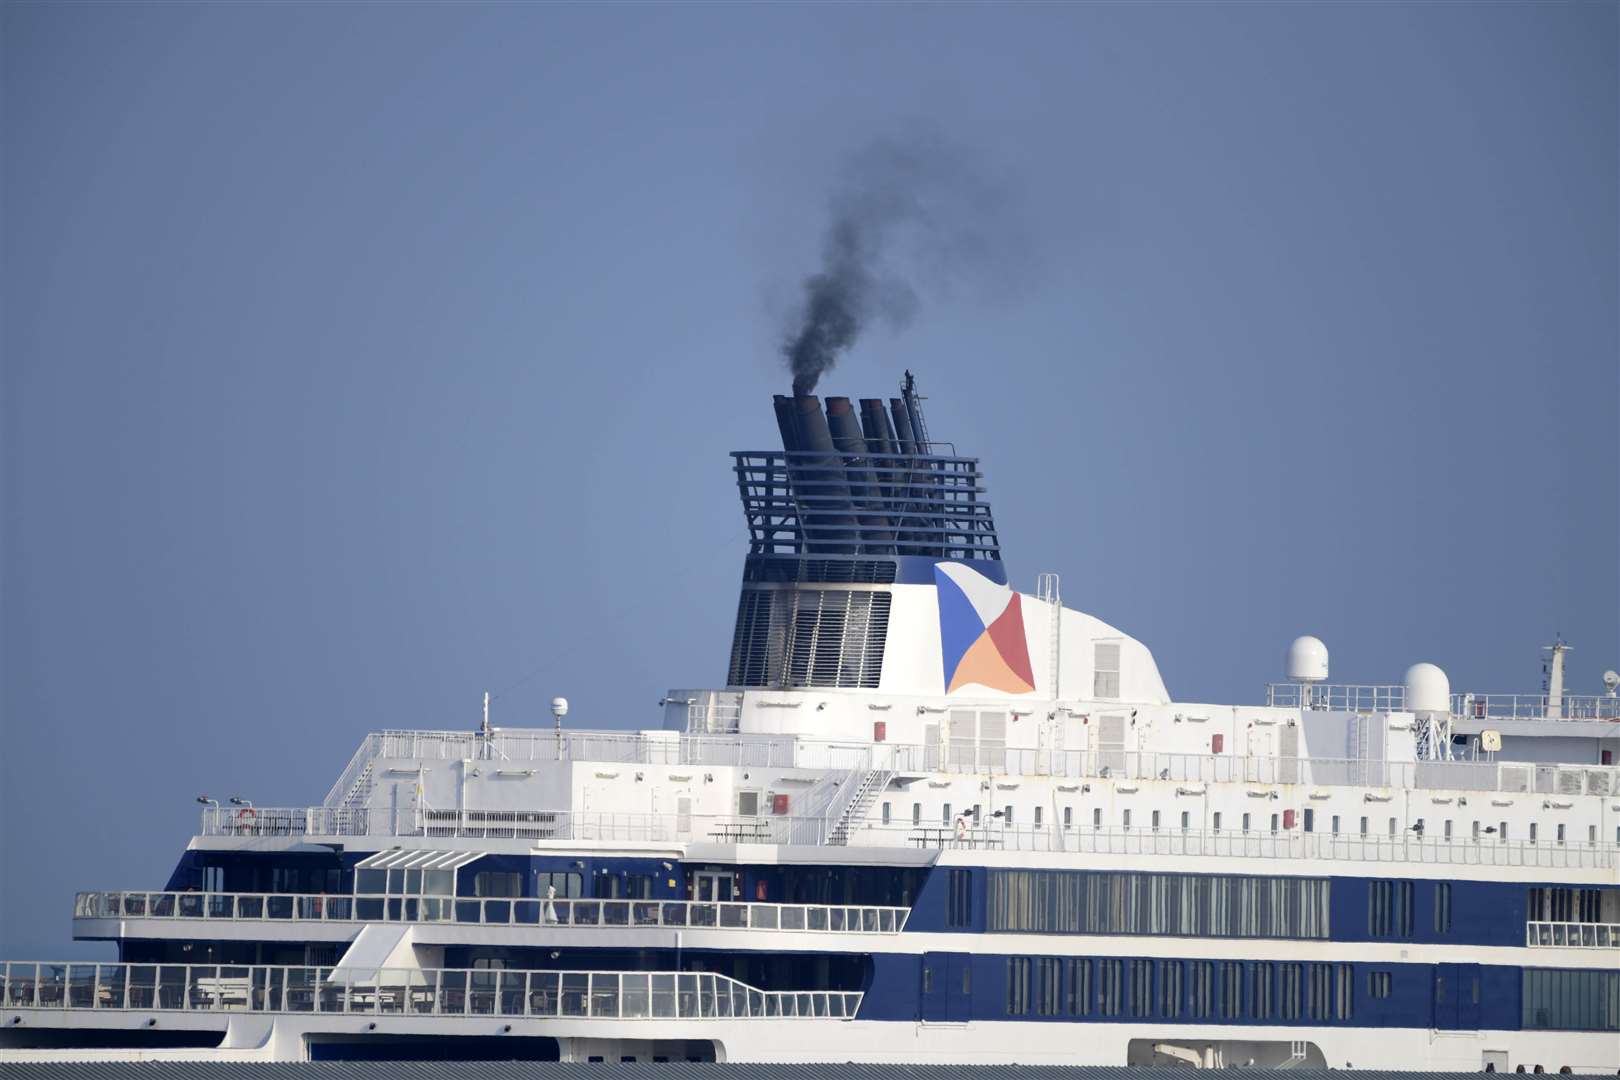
x=1294, y=843
x=612, y=995
x=491, y=911
x=1572, y=935
x=1352, y=697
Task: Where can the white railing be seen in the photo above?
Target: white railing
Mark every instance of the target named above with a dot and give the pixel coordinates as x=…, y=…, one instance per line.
x=365, y=755
x=1571, y=935
x=1336, y=697
x=513, y=825
x=1534, y=707
x=1257, y=843
x=304, y=907
x=1349, y=697
x=607, y=995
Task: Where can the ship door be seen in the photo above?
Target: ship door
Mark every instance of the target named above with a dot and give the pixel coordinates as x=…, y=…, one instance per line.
x=947, y=987
x=713, y=886
x=1456, y=997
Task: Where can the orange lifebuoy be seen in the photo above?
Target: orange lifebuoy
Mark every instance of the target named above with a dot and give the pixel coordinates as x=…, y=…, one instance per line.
x=246, y=818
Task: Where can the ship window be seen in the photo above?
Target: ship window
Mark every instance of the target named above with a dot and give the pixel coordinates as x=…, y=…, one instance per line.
x=1378, y=984
x=1532, y=832
x=959, y=913
x=1216, y=821
x=1079, y=984
x=1442, y=908
x=1344, y=992
x=1318, y=991
x=1170, y=988
x=1310, y=820
x=1185, y=819
x=1141, y=988
x=1007, y=815
x=1105, y=669
x=1231, y=990
x=1260, y=1000
x=1476, y=831
x=1245, y=822
x=916, y=813
x=1389, y=909
x=1393, y=828
x=1201, y=989
x=371, y=882
x=1038, y=817
x=1273, y=824
x=1068, y=819
x=1048, y=986
x=885, y=814
x=497, y=883
x=1110, y=986
x=1155, y=821
x=1017, y=986
x=1125, y=818
x=747, y=804
x=1126, y=902
x=1334, y=827
x=1502, y=832
x=1288, y=991
x=1447, y=829
x=1571, y=1000
x=945, y=814
x=1363, y=826
x=1096, y=818
x=1560, y=834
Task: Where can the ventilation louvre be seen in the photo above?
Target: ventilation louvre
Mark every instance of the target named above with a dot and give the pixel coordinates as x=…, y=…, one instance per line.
x=809, y=638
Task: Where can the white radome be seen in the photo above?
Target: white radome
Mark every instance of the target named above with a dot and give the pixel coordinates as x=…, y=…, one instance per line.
x=1307, y=660
x=559, y=707
x=1427, y=689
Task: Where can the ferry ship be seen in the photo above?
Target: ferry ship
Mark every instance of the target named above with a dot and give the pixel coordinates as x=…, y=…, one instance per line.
x=928, y=818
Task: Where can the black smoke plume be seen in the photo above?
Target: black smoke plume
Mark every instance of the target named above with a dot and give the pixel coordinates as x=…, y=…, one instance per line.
x=903, y=209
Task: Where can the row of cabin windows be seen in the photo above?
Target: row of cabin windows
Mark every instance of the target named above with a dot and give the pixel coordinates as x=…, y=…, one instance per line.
x=1007, y=816
x=1196, y=989
x=1564, y=904
x=1184, y=905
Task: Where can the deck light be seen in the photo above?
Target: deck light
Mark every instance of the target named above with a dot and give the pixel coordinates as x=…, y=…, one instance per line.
x=206, y=801
x=237, y=800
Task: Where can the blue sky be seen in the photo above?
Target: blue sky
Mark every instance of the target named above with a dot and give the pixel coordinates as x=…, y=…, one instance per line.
x=361, y=358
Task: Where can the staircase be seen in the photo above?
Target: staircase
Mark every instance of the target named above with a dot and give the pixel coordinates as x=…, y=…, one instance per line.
x=871, y=784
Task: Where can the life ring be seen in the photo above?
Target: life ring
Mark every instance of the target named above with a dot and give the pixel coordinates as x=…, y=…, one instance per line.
x=961, y=830
x=246, y=818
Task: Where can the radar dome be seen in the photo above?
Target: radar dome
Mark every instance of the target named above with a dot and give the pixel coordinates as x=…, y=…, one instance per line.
x=1427, y=689
x=1307, y=660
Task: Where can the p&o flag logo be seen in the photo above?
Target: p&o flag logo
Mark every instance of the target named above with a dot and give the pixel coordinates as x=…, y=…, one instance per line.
x=981, y=632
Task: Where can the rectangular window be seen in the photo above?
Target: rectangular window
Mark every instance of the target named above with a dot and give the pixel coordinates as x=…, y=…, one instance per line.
x=1170, y=991
x=1017, y=986
x=885, y=814
x=1155, y=821
x=1110, y=987
x=959, y=911
x=1378, y=984
x=1231, y=990
x=1201, y=989
x=945, y=814
x=1502, y=832
x=1363, y=826
x=1288, y=991
x=1394, y=829
x=1185, y=820
x=1215, y=820
x=1274, y=824
x=1310, y=819
x=1389, y=909
x=1260, y=997
x=1126, y=818
x=1447, y=832
x=1344, y=994
x=1096, y=818
x=1476, y=831
x=1245, y=822
x=1141, y=988
x=1006, y=815
x=1532, y=832
x=1068, y=817
x=916, y=813
x=1335, y=826
x=1048, y=986
x=1560, y=836
x=1131, y=902
x=1442, y=908
x=1038, y=817
x=497, y=883
x=1078, y=982
x=1571, y=1000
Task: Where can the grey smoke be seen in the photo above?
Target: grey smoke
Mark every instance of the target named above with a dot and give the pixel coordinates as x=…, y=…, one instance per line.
x=903, y=210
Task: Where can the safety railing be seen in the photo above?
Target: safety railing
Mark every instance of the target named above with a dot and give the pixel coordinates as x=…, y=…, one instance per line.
x=488, y=911
x=1572, y=935
x=604, y=995
x=1535, y=707
x=1262, y=843
x=1346, y=697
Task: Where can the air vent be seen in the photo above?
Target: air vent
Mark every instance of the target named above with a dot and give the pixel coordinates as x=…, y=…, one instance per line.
x=809, y=638
x=819, y=571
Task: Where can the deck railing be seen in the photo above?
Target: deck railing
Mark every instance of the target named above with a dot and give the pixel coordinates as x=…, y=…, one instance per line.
x=1350, y=697
x=608, y=995
x=1572, y=935
x=1286, y=843
x=304, y=907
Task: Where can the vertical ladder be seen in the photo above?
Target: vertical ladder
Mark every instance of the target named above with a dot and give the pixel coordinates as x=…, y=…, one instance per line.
x=1048, y=589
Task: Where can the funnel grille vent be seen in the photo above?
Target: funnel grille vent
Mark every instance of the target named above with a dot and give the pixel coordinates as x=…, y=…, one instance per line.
x=809, y=638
